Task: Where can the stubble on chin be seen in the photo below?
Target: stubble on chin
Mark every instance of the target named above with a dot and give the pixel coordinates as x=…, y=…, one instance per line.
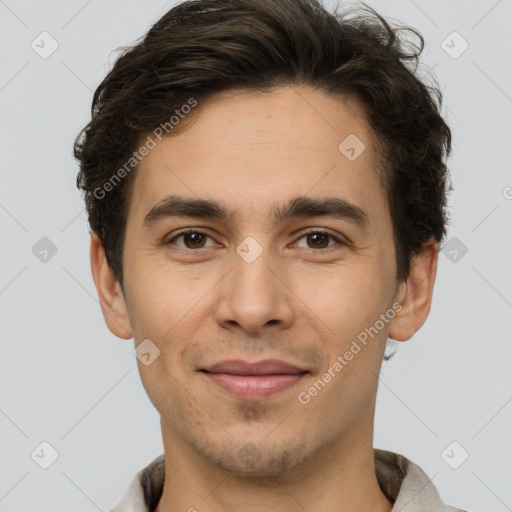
x=255, y=459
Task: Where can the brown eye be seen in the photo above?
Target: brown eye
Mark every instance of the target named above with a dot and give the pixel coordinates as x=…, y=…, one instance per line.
x=192, y=239
x=317, y=239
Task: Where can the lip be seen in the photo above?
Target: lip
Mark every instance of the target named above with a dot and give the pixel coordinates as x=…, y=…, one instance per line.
x=266, y=367
x=254, y=381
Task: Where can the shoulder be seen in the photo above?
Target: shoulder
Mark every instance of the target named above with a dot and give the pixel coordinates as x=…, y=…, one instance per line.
x=407, y=485
x=145, y=489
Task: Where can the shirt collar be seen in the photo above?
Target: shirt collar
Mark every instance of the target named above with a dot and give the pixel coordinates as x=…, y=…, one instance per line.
x=402, y=481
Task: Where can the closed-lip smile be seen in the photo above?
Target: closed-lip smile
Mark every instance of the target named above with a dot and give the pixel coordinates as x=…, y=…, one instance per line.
x=254, y=381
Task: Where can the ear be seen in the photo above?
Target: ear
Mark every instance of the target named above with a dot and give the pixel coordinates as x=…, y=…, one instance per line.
x=415, y=293
x=111, y=297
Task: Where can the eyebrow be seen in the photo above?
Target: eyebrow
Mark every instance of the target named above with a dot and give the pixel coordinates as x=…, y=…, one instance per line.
x=301, y=206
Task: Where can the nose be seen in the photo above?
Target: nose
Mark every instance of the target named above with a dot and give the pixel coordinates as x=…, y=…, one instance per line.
x=254, y=296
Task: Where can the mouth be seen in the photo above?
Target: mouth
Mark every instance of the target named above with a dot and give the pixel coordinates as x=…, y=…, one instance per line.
x=254, y=381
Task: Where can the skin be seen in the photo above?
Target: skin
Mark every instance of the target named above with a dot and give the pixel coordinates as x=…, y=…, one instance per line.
x=301, y=301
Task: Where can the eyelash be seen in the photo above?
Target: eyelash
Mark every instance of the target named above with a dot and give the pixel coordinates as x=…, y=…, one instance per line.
x=305, y=233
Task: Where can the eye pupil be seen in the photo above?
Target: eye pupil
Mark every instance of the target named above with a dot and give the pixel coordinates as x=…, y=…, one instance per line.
x=314, y=237
x=195, y=237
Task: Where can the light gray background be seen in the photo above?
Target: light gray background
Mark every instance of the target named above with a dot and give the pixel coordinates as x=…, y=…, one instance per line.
x=66, y=380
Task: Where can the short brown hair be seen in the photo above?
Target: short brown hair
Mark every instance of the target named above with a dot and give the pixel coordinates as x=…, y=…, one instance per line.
x=201, y=47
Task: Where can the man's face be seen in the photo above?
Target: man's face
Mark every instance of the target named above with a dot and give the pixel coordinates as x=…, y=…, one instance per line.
x=254, y=288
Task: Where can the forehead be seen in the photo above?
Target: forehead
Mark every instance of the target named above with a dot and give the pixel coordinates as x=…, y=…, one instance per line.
x=255, y=150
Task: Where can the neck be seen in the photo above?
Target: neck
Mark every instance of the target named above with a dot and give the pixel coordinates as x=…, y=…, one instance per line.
x=340, y=477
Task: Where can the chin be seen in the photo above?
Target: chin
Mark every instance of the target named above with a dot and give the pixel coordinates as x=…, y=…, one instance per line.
x=255, y=459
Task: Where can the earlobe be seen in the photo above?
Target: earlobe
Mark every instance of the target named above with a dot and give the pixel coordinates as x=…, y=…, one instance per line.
x=110, y=295
x=415, y=293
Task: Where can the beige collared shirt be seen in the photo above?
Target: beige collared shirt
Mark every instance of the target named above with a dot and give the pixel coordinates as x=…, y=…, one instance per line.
x=402, y=481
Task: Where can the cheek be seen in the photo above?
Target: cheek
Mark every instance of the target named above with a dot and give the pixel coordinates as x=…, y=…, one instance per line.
x=162, y=300
x=346, y=300
x=169, y=397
